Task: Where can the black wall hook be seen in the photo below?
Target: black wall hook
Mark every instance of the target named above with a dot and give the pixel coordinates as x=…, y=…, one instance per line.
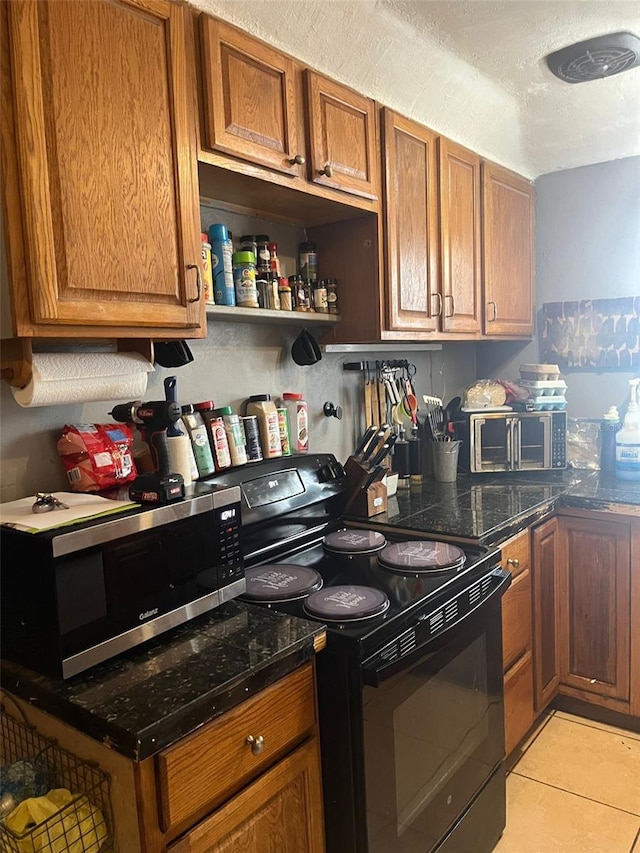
x=331, y=411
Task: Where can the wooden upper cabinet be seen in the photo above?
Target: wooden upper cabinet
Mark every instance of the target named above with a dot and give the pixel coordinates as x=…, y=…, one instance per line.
x=102, y=110
x=411, y=225
x=508, y=265
x=460, y=235
x=596, y=614
x=250, y=98
x=342, y=137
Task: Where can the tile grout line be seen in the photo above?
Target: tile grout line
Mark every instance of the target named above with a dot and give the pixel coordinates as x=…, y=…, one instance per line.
x=541, y=728
x=636, y=839
x=588, y=723
x=581, y=796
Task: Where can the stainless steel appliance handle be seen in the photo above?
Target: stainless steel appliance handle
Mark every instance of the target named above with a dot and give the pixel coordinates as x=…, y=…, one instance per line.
x=510, y=424
x=374, y=675
x=517, y=444
x=547, y=420
x=475, y=437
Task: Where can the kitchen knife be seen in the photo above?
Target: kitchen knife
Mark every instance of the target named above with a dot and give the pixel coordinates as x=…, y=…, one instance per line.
x=376, y=475
x=364, y=441
x=384, y=451
x=376, y=444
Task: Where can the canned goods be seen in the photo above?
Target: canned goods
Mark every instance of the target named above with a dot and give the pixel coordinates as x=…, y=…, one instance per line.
x=252, y=436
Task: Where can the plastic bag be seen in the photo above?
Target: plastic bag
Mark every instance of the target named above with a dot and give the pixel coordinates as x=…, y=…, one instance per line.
x=97, y=456
x=79, y=829
x=583, y=443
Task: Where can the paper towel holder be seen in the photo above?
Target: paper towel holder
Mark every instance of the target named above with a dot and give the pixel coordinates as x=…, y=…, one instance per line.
x=16, y=361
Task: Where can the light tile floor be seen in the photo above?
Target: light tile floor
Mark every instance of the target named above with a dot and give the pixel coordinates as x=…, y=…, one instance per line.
x=574, y=787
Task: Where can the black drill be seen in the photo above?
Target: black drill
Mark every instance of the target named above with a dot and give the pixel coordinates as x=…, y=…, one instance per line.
x=152, y=419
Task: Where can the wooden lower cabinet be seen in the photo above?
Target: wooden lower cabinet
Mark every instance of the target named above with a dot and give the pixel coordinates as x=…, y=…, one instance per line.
x=277, y=812
x=546, y=612
x=517, y=655
x=598, y=634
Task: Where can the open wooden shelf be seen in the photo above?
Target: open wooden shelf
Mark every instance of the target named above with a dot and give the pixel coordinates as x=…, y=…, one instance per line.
x=267, y=316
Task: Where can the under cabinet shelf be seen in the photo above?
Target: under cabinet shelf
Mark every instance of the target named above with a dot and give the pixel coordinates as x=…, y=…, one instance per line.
x=236, y=314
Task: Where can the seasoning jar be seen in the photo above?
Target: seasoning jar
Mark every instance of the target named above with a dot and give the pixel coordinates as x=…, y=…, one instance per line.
x=244, y=279
x=263, y=407
x=319, y=295
x=264, y=290
x=284, y=292
x=252, y=438
x=274, y=260
x=235, y=435
x=207, y=275
x=332, y=295
x=274, y=290
x=298, y=418
x=217, y=434
x=199, y=440
x=283, y=425
x=300, y=293
x=248, y=244
x=263, y=256
x=308, y=261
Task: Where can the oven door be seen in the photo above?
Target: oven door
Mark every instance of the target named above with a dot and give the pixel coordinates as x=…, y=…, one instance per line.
x=434, y=736
x=533, y=442
x=491, y=443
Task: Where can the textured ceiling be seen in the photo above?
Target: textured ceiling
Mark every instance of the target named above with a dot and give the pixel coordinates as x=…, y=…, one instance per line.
x=469, y=69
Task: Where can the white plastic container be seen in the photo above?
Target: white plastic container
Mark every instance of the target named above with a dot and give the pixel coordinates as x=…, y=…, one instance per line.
x=628, y=439
x=263, y=407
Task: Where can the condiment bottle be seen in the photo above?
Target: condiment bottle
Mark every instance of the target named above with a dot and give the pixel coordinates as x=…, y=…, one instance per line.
x=319, y=294
x=244, y=279
x=217, y=434
x=298, y=418
x=263, y=407
x=274, y=260
x=199, y=440
x=263, y=256
x=300, y=293
x=308, y=261
x=284, y=292
x=274, y=290
x=207, y=274
x=235, y=435
x=283, y=425
x=332, y=295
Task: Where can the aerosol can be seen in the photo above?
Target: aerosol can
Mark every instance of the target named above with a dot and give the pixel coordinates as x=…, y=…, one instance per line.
x=628, y=439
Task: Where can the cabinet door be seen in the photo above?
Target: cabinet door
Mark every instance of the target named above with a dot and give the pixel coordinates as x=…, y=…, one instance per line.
x=342, y=137
x=518, y=702
x=411, y=220
x=106, y=157
x=280, y=811
x=507, y=234
x=250, y=97
x=596, y=595
x=546, y=612
x=460, y=219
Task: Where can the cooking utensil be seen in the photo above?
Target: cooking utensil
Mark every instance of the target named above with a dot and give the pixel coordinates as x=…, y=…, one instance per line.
x=435, y=418
x=376, y=444
x=384, y=451
x=364, y=441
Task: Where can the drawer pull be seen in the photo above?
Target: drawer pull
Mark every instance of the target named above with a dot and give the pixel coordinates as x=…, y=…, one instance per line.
x=256, y=743
x=512, y=561
x=298, y=160
x=328, y=171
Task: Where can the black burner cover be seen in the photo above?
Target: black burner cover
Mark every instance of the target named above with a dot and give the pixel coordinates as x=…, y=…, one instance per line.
x=354, y=541
x=346, y=603
x=422, y=556
x=280, y=582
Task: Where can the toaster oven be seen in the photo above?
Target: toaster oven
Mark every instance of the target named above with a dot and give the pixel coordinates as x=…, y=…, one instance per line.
x=512, y=441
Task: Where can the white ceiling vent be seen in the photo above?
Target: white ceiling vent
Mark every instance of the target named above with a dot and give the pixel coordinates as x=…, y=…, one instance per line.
x=596, y=58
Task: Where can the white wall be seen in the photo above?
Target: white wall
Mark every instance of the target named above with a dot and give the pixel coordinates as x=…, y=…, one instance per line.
x=587, y=247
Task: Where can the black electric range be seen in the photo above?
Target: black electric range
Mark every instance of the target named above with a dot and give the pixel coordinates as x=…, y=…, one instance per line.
x=410, y=691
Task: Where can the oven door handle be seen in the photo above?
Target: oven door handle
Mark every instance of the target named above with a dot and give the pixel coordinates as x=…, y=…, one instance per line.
x=375, y=674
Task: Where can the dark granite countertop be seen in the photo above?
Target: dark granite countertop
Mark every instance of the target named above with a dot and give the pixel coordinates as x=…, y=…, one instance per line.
x=488, y=509
x=141, y=702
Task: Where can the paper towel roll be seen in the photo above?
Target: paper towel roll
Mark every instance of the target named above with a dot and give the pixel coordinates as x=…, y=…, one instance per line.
x=59, y=378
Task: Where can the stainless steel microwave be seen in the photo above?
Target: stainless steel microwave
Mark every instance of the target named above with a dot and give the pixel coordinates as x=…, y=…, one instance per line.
x=76, y=596
x=512, y=441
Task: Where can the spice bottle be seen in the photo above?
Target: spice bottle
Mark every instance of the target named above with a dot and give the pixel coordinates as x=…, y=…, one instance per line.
x=217, y=434
x=332, y=295
x=263, y=256
x=235, y=435
x=248, y=244
x=308, y=261
x=319, y=294
x=244, y=279
x=300, y=293
x=284, y=292
x=263, y=407
x=274, y=260
x=199, y=440
x=207, y=275
x=283, y=425
x=252, y=438
x=298, y=418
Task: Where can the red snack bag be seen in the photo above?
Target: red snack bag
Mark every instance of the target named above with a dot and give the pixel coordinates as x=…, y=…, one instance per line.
x=97, y=456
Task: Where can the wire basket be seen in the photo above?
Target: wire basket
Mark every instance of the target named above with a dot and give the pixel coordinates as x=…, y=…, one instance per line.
x=32, y=765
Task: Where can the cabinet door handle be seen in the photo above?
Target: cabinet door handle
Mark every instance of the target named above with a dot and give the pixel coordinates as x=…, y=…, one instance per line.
x=439, y=298
x=196, y=267
x=256, y=743
x=495, y=310
x=512, y=561
x=453, y=305
x=298, y=160
x=328, y=171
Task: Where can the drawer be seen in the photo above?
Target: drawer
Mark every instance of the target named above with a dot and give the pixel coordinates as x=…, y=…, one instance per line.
x=516, y=619
x=518, y=702
x=515, y=553
x=209, y=766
